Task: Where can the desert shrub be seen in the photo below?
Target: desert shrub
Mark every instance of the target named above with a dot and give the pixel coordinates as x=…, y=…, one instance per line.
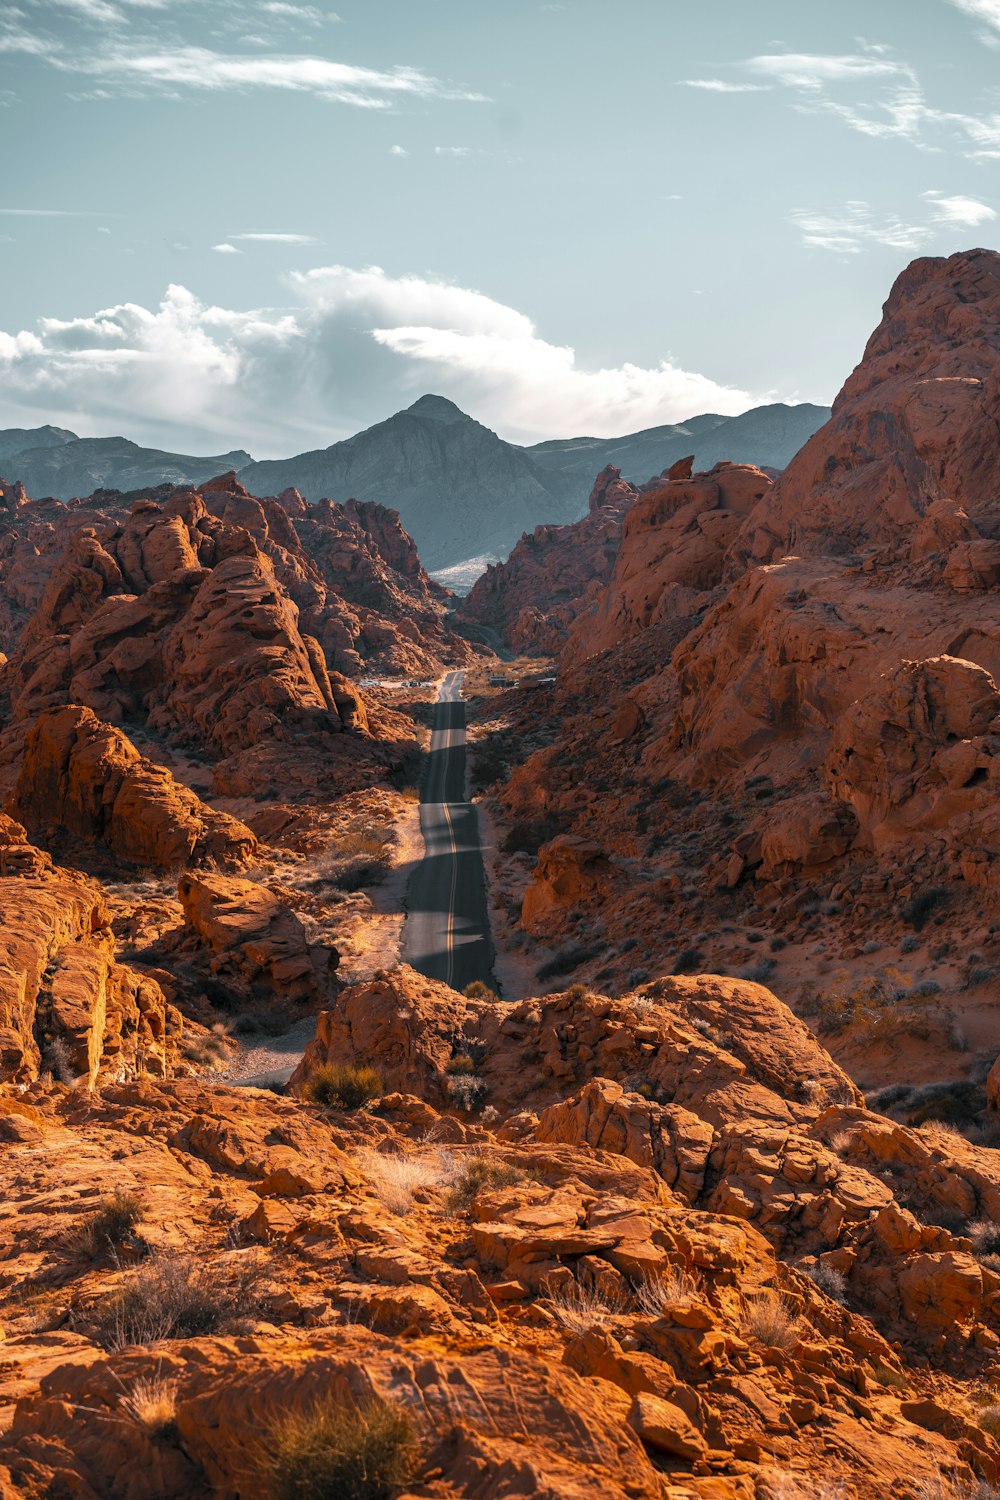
x=467, y=1092
x=985, y=1237
x=688, y=961
x=955, y=1103
x=989, y=1420
x=829, y=1280
x=211, y=1046
x=760, y=972
x=916, y=912
x=480, y=1174
x=152, y=1405
x=977, y=975
x=342, y=1086
x=477, y=990
x=771, y=1321
x=460, y=1064
x=579, y=1309
x=58, y=1061
x=878, y=1008
x=568, y=958
x=112, y=1222
x=889, y=1377
x=910, y=943
x=366, y=1452
x=176, y=1297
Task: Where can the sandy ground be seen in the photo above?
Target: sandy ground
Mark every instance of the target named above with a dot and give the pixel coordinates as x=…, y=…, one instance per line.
x=369, y=940
x=373, y=939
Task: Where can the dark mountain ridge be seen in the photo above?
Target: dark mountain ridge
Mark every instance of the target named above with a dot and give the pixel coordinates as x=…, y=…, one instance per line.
x=461, y=490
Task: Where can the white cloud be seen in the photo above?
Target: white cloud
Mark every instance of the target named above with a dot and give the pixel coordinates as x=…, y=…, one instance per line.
x=145, y=64
x=102, y=10
x=887, y=100
x=357, y=342
x=278, y=239
x=452, y=151
x=307, y=13
x=964, y=213
x=856, y=229
x=226, y=249
x=201, y=68
x=398, y=151
x=51, y=213
x=813, y=70
x=720, y=86
x=980, y=10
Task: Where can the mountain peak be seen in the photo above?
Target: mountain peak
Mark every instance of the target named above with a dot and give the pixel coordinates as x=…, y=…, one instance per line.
x=438, y=409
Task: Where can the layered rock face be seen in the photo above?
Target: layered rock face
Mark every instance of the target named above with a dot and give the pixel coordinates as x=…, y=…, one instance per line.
x=672, y=1255
x=531, y=601
x=66, y=1005
x=85, y=779
x=915, y=424
x=672, y=553
x=784, y=704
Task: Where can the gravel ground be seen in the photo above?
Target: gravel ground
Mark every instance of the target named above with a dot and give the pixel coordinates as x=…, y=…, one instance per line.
x=274, y=1060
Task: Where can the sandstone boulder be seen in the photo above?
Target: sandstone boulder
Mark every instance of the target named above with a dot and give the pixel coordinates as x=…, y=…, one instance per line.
x=86, y=779
x=256, y=941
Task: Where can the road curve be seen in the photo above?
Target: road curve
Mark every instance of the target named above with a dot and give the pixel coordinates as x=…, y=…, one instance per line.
x=447, y=930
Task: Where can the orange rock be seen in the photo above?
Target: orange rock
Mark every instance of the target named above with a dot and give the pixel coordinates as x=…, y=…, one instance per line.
x=86, y=779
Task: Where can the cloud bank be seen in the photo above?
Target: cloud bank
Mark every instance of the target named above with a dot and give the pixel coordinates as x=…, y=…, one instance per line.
x=354, y=346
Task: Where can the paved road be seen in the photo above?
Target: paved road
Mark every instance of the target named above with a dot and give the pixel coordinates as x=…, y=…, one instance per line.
x=447, y=930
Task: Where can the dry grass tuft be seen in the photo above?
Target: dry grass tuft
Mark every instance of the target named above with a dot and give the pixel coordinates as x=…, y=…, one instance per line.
x=480, y=1174
x=177, y=1297
x=152, y=1405
x=772, y=1321
x=655, y=1294
x=112, y=1223
x=369, y=1452
x=579, y=1310
x=396, y=1179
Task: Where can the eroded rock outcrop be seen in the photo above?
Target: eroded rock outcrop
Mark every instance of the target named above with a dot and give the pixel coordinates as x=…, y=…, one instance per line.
x=85, y=779
x=553, y=575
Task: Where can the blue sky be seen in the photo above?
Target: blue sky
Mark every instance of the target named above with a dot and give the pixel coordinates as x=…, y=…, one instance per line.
x=268, y=224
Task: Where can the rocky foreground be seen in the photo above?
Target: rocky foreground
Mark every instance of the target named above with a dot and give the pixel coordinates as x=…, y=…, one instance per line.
x=653, y=1246
x=707, y=1205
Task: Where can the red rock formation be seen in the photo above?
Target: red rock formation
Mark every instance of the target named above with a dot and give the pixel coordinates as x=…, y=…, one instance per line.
x=672, y=554
x=914, y=426
x=552, y=576
x=257, y=942
x=86, y=779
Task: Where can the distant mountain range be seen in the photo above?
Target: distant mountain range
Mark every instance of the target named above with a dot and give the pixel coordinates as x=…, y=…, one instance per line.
x=461, y=490
x=53, y=461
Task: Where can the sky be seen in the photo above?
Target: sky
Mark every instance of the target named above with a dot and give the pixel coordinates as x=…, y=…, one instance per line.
x=267, y=224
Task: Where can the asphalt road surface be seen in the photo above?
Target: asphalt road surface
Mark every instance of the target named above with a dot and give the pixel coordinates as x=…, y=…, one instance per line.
x=447, y=931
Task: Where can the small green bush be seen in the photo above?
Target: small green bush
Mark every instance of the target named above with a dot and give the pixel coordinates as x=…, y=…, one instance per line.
x=343, y=1087
x=480, y=1174
x=336, y=1452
